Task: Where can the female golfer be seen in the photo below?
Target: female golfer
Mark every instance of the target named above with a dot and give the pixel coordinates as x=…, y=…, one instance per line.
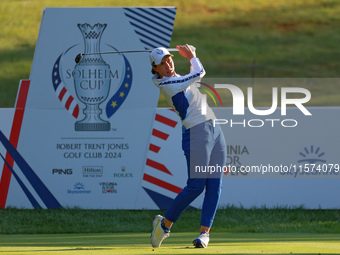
x=203, y=144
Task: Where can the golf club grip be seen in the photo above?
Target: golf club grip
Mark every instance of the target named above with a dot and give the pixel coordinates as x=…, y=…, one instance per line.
x=174, y=49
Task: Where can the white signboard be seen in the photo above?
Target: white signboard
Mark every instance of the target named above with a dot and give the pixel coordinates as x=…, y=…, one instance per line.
x=86, y=126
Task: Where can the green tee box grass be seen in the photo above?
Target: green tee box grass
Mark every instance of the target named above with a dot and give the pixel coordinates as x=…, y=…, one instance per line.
x=103, y=232
x=229, y=219
x=177, y=243
x=240, y=39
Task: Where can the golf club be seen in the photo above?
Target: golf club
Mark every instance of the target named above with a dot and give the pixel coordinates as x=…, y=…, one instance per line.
x=80, y=55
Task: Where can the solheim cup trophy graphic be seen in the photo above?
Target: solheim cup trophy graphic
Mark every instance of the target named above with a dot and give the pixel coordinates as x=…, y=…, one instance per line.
x=92, y=80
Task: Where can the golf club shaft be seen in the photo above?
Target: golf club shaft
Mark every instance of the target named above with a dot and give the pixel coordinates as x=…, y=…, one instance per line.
x=126, y=51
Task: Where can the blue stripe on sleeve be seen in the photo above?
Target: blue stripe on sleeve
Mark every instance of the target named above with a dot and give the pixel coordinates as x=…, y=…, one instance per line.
x=181, y=80
x=181, y=104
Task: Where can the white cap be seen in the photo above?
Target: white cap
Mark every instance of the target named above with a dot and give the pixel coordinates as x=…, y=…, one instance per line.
x=158, y=54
